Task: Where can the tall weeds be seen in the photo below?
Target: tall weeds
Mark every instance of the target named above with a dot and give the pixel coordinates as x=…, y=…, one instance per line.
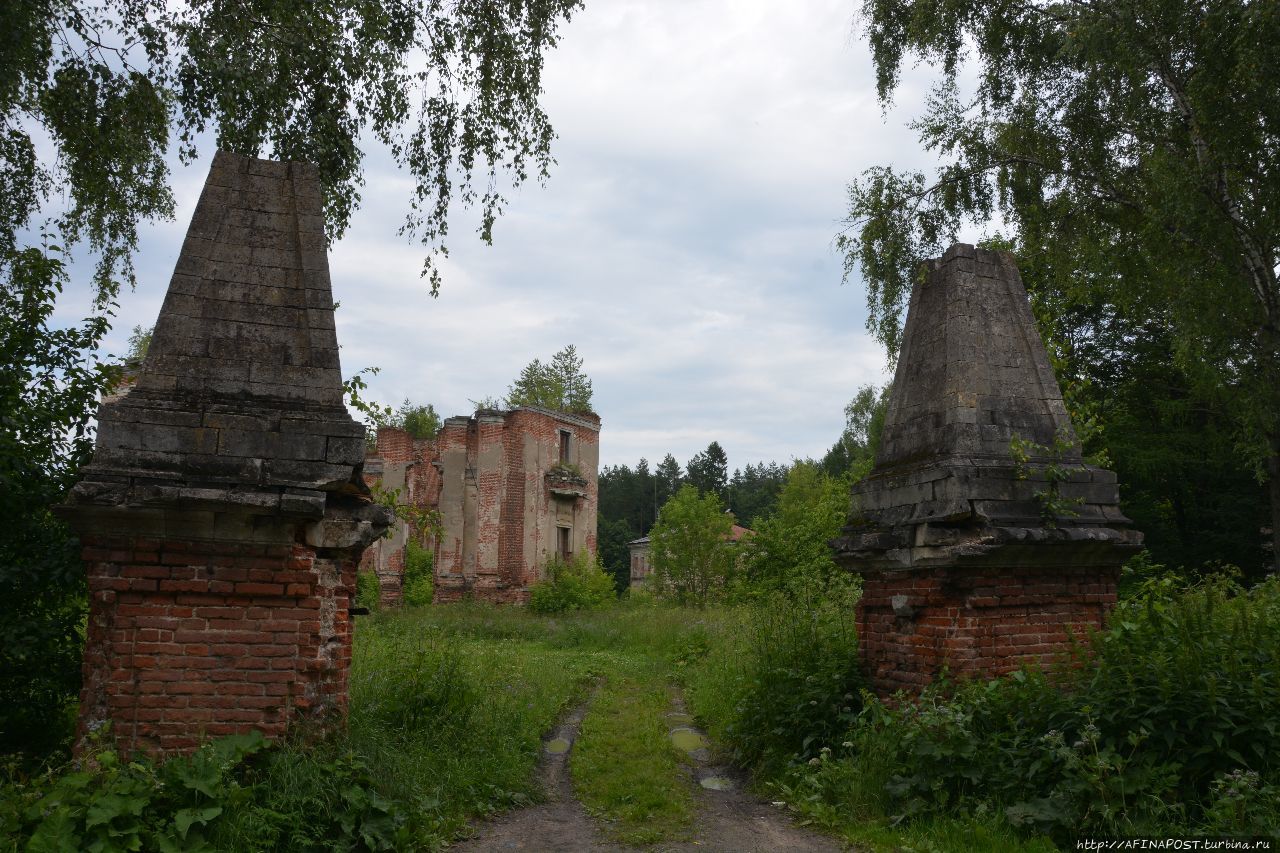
x=781, y=682
x=1164, y=724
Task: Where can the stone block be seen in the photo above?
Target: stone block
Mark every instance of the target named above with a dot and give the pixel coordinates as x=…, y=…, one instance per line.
x=304, y=502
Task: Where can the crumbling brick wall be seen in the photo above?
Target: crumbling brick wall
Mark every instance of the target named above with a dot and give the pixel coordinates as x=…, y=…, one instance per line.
x=188, y=639
x=977, y=622
x=407, y=467
x=504, y=498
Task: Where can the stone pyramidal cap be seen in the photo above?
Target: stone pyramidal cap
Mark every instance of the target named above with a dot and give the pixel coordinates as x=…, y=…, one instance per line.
x=241, y=385
x=972, y=375
x=250, y=307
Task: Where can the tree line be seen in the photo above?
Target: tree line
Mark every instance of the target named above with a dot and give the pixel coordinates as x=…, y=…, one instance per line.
x=631, y=499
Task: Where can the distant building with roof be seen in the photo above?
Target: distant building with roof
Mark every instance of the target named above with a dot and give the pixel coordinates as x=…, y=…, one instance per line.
x=642, y=568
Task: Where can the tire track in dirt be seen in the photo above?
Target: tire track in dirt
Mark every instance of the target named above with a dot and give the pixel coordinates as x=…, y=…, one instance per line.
x=559, y=825
x=728, y=820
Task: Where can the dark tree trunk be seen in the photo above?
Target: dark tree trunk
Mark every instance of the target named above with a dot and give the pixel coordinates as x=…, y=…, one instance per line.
x=1274, y=467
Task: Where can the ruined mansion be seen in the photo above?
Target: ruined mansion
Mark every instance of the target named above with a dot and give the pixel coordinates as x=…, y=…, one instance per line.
x=511, y=490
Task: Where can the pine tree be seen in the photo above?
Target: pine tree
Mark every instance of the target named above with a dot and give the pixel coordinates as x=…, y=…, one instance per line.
x=709, y=470
x=560, y=384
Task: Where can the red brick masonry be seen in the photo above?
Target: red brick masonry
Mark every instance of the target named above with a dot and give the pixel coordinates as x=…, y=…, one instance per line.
x=977, y=622
x=188, y=639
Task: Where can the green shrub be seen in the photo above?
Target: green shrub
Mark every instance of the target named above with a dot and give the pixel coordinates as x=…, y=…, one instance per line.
x=791, y=551
x=229, y=794
x=315, y=797
x=419, y=567
x=690, y=548
x=420, y=421
x=1164, y=724
x=581, y=584
x=42, y=615
x=1196, y=676
x=787, y=684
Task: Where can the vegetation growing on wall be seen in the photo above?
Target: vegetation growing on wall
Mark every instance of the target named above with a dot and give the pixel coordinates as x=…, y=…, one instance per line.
x=559, y=384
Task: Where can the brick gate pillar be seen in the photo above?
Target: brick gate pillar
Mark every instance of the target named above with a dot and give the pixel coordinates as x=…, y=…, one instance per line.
x=223, y=514
x=963, y=563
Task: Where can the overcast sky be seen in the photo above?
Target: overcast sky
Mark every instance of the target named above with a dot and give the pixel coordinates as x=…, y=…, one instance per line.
x=683, y=243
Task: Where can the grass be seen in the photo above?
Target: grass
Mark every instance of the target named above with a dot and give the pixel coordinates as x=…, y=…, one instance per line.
x=449, y=705
x=625, y=768
x=943, y=835
x=453, y=722
x=623, y=765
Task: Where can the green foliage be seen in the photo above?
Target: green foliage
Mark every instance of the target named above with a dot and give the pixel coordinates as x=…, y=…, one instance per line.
x=225, y=795
x=632, y=497
x=791, y=551
x=139, y=343
x=559, y=385
x=689, y=549
x=1173, y=446
x=318, y=797
x=612, y=538
x=114, y=804
x=855, y=451
x=667, y=479
x=109, y=83
x=368, y=591
x=708, y=471
x=419, y=575
x=1129, y=150
x=1050, y=468
x=48, y=392
x=420, y=421
x=580, y=584
x=1196, y=672
x=421, y=521
x=785, y=685
x=754, y=490
x=568, y=470
x=373, y=413
x=629, y=501
x=1160, y=726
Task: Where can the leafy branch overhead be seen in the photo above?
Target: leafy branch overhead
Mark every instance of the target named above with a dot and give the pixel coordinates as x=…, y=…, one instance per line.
x=1130, y=151
x=451, y=89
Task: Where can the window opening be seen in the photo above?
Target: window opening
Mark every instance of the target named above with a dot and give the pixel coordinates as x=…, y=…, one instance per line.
x=562, y=546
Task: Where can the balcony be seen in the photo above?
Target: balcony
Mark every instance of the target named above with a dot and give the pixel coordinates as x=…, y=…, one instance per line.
x=565, y=481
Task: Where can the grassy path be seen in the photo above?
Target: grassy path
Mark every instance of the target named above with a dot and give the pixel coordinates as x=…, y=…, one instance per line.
x=626, y=769
x=454, y=707
x=560, y=823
